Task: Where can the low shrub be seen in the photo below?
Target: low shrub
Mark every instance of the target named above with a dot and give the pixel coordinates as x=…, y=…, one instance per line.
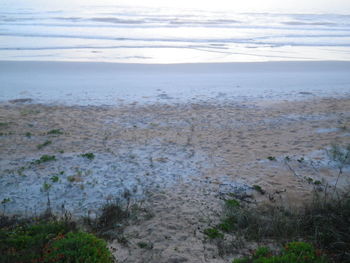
x=77, y=247
x=25, y=242
x=30, y=242
x=110, y=222
x=325, y=223
x=294, y=252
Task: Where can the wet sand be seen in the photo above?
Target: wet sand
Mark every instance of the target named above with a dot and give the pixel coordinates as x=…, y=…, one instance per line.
x=181, y=160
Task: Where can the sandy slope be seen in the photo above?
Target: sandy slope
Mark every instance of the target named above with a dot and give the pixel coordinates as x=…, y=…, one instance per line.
x=182, y=159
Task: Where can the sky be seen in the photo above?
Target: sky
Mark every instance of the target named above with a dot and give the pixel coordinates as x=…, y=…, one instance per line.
x=285, y=6
x=311, y=6
x=300, y=6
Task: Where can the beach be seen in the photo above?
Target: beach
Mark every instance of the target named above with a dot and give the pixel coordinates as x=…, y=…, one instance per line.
x=174, y=131
x=178, y=152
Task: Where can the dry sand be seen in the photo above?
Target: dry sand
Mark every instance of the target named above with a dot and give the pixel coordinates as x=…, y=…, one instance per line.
x=180, y=159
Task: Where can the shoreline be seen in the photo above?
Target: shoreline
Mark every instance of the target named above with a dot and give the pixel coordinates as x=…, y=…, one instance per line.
x=115, y=84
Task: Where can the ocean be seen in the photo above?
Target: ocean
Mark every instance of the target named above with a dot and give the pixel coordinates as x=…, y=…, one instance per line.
x=129, y=34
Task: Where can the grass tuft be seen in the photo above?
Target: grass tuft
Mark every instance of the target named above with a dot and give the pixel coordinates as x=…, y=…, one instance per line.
x=89, y=156
x=213, y=233
x=55, y=132
x=271, y=158
x=44, y=158
x=46, y=143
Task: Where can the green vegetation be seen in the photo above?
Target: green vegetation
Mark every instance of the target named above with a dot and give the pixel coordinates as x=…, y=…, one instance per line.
x=46, y=143
x=5, y=200
x=4, y=124
x=54, y=179
x=111, y=221
x=46, y=187
x=145, y=245
x=294, y=252
x=4, y=203
x=77, y=247
x=259, y=189
x=271, y=158
x=213, y=233
x=45, y=158
x=55, y=132
x=317, y=182
x=71, y=178
x=300, y=160
x=52, y=241
x=28, y=134
x=340, y=155
x=89, y=156
x=26, y=112
x=324, y=223
x=232, y=203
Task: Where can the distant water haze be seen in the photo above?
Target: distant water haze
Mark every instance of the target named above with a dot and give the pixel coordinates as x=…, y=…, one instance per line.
x=154, y=31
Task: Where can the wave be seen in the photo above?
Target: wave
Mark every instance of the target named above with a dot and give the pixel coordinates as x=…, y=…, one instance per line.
x=120, y=31
x=300, y=23
x=255, y=41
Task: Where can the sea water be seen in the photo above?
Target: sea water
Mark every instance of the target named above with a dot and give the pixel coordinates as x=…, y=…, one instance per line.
x=107, y=32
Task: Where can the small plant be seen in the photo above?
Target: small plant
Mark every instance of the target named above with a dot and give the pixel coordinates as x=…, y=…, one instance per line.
x=26, y=112
x=340, y=155
x=111, y=221
x=71, y=178
x=213, y=233
x=21, y=170
x=287, y=158
x=228, y=224
x=232, y=203
x=54, y=179
x=317, y=182
x=259, y=189
x=46, y=187
x=310, y=180
x=300, y=160
x=89, y=156
x=46, y=143
x=45, y=158
x=55, y=132
x=272, y=158
x=4, y=203
x=28, y=134
x=4, y=124
x=262, y=252
x=145, y=245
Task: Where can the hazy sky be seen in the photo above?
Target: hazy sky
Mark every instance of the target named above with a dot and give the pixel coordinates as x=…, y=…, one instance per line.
x=253, y=5
x=289, y=6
